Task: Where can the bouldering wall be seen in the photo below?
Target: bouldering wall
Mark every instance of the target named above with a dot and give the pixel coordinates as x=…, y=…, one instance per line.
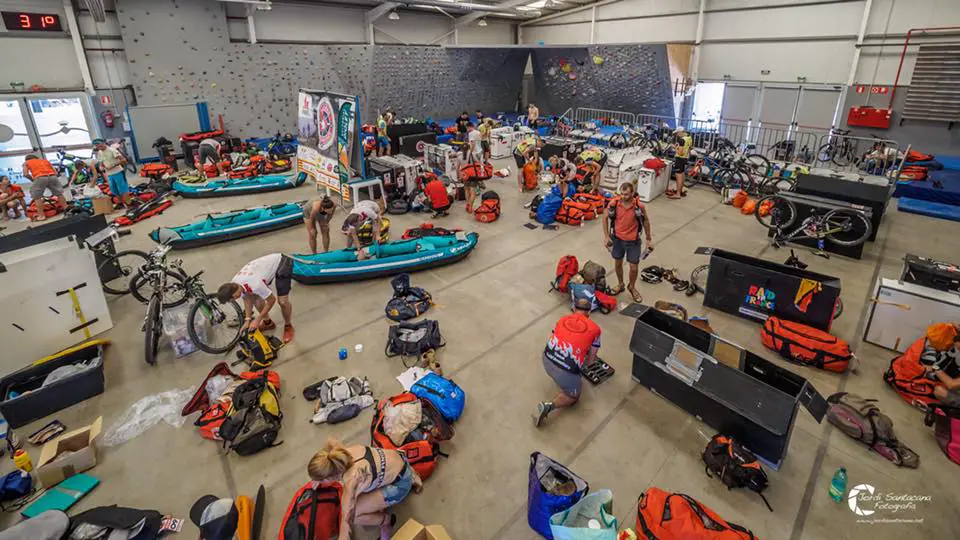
x=179, y=51
x=632, y=78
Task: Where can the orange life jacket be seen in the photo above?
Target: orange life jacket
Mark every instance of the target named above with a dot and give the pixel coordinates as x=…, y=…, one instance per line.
x=907, y=376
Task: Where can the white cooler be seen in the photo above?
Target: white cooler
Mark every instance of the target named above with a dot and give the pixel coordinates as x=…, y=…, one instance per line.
x=613, y=172
x=502, y=142
x=648, y=184
x=901, y=312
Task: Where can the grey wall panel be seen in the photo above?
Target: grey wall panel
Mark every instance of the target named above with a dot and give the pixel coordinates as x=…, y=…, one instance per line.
x=738, y=103
x=633, y=78
x=817, y=107
x=778, y=106
x=154, y=121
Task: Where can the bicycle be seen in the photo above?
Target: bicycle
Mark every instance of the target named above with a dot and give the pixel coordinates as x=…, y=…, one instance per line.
x=208, y=316
x=838, y=149
x=156, y=275
x=122, y=265
x=143, y=285
x=843, y=227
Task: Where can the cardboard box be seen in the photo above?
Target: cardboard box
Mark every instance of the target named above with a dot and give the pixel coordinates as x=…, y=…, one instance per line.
x=414, y=530
x=102, y=205
x=69, y=454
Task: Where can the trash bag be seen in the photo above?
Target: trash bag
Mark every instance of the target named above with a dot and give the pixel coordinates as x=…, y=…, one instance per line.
x=595, y=509
x=551, y=488
x=148, y=412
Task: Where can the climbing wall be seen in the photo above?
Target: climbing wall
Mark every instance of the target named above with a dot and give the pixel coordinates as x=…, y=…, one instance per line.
x=179, y=51
x=633, y=78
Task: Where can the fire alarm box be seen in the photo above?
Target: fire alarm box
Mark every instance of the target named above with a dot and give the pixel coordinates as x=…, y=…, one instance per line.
x=869, y=117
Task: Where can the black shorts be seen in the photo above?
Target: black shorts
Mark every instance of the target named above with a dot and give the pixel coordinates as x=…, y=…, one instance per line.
x=679, y=165
x=519, y=158
x=284, y=276
x=485, y=146
x=208, y=154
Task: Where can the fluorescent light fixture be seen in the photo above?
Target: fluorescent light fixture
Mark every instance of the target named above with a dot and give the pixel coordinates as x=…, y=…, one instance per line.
x=394, y=16
x=482, y=22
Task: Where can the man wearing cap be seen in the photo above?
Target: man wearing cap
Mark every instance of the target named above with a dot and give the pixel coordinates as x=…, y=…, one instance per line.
x=216, y=518
x=939, y=357
x=572, y=345
x=681, y=147
x=110, y=164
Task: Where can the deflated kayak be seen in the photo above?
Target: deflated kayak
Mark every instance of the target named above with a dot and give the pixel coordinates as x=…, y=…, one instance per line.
x=391, y=258
x=230, y=225
x=240, y=186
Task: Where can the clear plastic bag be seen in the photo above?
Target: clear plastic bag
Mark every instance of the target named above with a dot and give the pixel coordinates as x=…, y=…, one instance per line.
x=148, y=412
x=175, y=329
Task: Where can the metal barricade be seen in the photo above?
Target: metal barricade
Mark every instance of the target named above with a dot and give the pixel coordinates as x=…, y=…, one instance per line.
x=603, y=116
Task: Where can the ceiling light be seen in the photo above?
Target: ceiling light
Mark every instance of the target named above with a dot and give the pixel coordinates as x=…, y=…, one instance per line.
x=483, y=22
x=394, y=16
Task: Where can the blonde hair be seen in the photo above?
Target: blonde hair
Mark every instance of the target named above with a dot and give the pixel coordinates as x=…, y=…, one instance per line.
x=331, y=462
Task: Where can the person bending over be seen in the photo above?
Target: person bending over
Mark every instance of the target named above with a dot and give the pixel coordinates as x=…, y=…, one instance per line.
x=436, y=193
x=252, y=283
x=362, y=212
x=681, y=147
x=623, y=221
x=317, y=215
x=43, y=177
x=11, y=198
x=209, y=152
x=572, y=345
x=566, y=173
x=591, y=175
x=524, y=151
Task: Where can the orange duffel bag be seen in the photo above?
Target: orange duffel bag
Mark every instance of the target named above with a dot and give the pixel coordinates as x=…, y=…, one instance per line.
x=806, y=345
x=569, y=214
x=662, y=515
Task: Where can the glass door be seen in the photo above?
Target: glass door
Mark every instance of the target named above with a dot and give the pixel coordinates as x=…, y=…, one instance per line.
x=15, y=141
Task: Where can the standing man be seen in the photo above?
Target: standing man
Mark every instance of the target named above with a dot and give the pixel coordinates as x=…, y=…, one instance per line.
x=573, y=345
x=209, y=152
x=623, y=221
x=362, y=212
x=110, y=164
x=533, y=113
x=681, y=146
x=317, y=215
x=43, y=177
x=383, y=141
x=485, y=127
x=252, y=283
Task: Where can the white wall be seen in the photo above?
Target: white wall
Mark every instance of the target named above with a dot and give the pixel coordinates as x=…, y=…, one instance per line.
x=38, y=58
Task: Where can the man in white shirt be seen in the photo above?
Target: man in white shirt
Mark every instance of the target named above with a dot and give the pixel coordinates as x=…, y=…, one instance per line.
x=252, y=283
x=209, y=152
x=362, y=212
x=476, y=149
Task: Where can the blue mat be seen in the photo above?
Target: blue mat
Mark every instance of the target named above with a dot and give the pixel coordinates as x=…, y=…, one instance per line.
x=950, y=162
x=929, y=208
x=924, y=190
x=932, y=165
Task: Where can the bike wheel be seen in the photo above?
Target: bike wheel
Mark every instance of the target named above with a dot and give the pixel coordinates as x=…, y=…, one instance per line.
x=781, y=215
x=733, y=179
x=774, y=185
x=214, y=327
x=123, y=266
x=842, y=157
x=758, y=165
x=826, y=153
x=846, y=227
x=174, y=295
x=151, y=331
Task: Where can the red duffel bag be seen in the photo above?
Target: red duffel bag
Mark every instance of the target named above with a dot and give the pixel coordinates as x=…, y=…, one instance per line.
x=806, y=345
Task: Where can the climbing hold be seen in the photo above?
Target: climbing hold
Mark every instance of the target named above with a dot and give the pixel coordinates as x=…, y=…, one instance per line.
x=598, y=60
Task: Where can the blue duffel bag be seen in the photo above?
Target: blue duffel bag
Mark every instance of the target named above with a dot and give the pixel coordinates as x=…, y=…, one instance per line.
x=444, y=394
x=549, y=206
x=551, y=488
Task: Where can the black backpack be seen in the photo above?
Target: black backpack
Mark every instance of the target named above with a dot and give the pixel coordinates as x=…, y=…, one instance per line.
x=413, y=339
x=249, y=427
x=734, y=465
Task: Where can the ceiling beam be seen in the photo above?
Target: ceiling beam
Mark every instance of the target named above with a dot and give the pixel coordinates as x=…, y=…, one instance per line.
x=581, y=7
x=371, y=16
x=506, y=5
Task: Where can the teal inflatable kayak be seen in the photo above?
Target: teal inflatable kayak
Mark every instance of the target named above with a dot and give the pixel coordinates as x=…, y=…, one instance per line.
x=391, y=258
x=240, y=186
x=230, y=225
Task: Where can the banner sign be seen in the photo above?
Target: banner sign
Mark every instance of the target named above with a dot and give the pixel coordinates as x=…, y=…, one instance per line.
x=328, y=126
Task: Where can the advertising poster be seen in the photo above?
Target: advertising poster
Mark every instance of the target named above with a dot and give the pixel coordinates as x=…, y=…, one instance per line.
x=327, y=125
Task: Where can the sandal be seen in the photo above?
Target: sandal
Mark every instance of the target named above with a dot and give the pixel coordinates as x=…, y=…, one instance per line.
x=674, y=196
x=614, y=291
x=636, y=295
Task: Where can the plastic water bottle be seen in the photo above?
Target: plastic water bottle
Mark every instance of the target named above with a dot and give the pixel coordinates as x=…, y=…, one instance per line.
x=838, y=485
x=342, y=354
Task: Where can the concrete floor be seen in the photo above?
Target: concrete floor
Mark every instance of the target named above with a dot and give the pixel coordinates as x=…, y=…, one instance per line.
x=495, y=312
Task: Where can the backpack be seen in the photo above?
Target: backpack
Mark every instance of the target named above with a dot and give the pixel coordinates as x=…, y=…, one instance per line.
x=548, y=207
x=530, y=177
x=407, y=302
x=947, y=429
x=422, y=450
x=314, y=512
x=612, y=214
x=212, y=415
x=668, y=516
x=907, y=376
x=489, y=209
x=607, y=302
x=253, y=421
x=448, y=398
x=14, y=485
x=861, y=419
x=806, y=345
x=567, y=267
x=594, y=274
x=582, y=289
x=413, y=338
x=734, y=465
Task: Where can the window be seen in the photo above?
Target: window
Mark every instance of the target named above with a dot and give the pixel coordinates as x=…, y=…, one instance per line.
x=708, y=101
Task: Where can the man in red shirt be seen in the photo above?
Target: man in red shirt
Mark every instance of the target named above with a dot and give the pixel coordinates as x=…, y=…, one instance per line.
x=623, y=221
x=436, y=193
x=11, y=198
x=573, y=344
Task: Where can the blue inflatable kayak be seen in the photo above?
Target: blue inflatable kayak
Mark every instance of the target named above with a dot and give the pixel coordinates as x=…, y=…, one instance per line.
x=240, y=186
x=230, y=225
x=391, y=258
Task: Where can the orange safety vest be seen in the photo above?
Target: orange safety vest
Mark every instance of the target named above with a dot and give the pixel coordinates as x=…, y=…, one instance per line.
x=39, y=168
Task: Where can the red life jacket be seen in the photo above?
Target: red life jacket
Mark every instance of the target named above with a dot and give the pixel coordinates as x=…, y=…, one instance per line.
x=907, y=376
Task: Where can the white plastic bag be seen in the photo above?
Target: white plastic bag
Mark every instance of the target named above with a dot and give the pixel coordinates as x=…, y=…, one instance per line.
x=148, y=412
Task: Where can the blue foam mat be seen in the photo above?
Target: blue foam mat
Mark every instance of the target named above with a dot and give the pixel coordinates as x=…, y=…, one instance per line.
x=925, y=190
x=929, y=208
x=949, y=162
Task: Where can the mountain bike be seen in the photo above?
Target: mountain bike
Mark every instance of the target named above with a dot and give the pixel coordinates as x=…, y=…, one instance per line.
x=143, y=285
x=154, y=275
x=213, y=326
x=842, y=226
x=839, y=149
x=120, y=266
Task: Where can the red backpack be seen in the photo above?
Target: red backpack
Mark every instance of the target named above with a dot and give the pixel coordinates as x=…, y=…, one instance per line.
x=675, y=516
x=314, y=513
x=913, y=155
x=806, y=345
x=489, y=209
x=567, y=267
x=422, y=454
x=907, y=376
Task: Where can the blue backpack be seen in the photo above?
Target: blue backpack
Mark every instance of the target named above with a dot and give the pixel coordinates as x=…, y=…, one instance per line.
x=448, y=398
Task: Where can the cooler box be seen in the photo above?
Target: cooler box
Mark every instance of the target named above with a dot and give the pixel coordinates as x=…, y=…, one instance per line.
x=931, y=273
x=502, y=142
x=650, y=184
x=901, y=312
x=613, y=171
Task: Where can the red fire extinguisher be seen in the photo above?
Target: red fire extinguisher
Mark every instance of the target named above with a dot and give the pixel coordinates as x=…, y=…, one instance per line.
x=107, y=118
